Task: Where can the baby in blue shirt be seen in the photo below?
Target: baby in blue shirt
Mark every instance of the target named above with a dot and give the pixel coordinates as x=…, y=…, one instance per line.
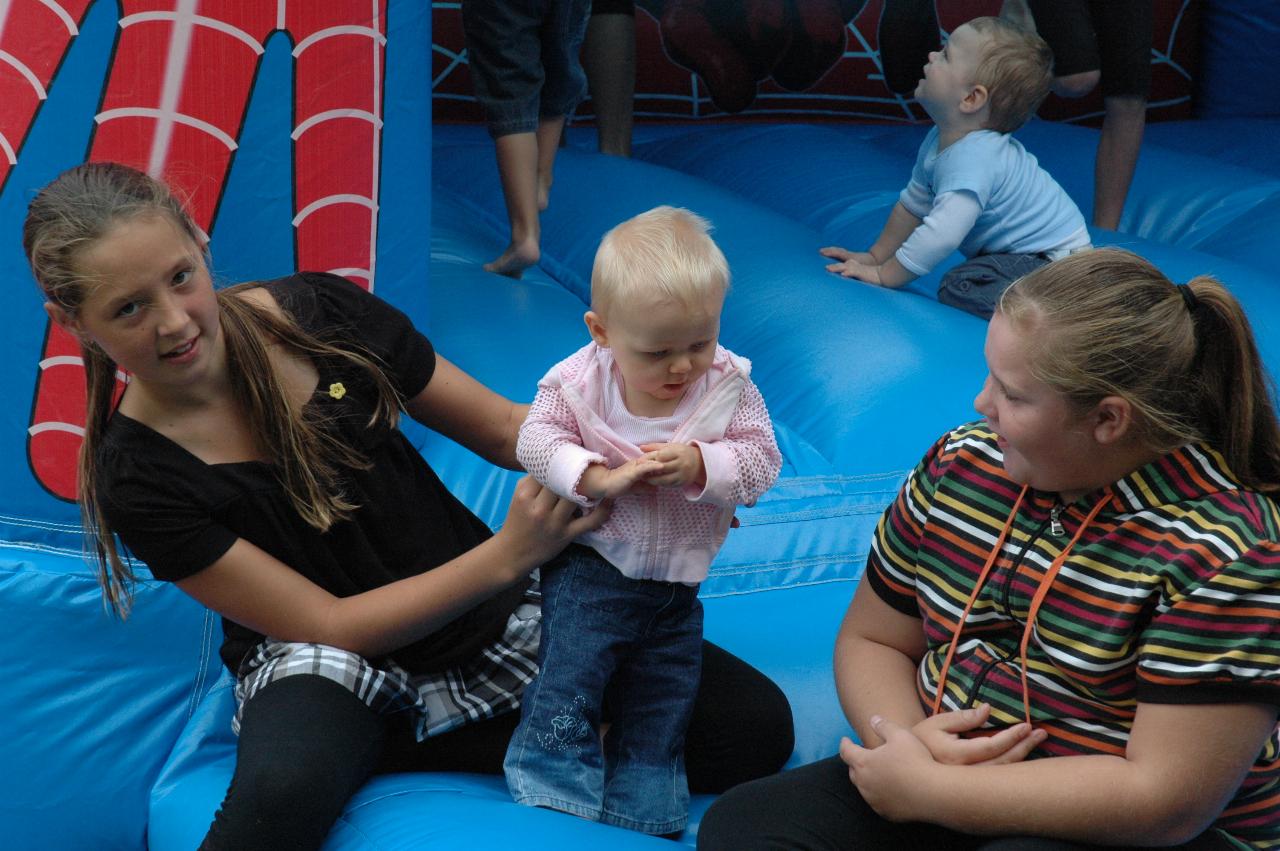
x=974, y=187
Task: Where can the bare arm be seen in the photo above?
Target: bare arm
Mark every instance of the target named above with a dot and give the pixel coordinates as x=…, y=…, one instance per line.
x=878, y=265
x=1182, y=766
x=877, y=650
x=1117, y=157
x=461, y=408
x=254, y=589
x=900, y=225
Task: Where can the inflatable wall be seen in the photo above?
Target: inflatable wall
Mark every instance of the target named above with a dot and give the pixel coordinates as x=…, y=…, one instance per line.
x=271, y=118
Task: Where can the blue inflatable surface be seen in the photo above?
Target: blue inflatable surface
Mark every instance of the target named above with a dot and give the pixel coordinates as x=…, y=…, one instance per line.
x=859, y=381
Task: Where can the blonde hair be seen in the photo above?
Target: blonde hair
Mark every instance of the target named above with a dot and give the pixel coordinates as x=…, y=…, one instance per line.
x=1016, y=68
x=667, y=251
x=71, y=214
x=1108, y=323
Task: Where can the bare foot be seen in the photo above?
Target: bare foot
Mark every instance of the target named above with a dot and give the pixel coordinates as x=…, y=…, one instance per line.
x=518, y=257
x=544, y=192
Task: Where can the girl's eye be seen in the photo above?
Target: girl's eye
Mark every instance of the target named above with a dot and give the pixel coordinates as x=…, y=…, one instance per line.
x=182, y=277
x=127, y=310
x=659, y=355
x=697, y=347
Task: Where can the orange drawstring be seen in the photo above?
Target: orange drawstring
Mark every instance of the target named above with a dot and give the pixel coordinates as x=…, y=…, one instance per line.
x=1042, y=590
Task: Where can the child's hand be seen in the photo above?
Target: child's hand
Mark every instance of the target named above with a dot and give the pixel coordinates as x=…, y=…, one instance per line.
x=599, y=482
x=893, y=777
x=941, y=734
x=835, y=252
x=680, y=464
x=861, y=265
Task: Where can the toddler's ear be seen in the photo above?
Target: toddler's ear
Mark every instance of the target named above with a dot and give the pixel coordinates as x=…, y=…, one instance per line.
x=595, y=325
x=975, y=100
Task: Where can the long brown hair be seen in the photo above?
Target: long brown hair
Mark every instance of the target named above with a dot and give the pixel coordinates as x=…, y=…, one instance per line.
x=71, y=214
x=1108, y=323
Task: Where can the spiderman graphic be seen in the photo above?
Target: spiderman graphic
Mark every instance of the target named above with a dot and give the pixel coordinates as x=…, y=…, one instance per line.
x=173, y=104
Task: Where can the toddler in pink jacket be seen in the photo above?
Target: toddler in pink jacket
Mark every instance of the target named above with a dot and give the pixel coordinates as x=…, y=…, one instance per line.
x=655, y=415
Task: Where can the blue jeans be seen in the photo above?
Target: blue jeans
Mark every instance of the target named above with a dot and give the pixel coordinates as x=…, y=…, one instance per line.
x=976, y=286
x=635, y=645
x=524, y=59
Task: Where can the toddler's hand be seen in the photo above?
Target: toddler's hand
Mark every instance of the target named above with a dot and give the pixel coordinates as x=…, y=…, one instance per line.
x=600, y=482
x=679, y=464
x=941, y=735
x=835, y=252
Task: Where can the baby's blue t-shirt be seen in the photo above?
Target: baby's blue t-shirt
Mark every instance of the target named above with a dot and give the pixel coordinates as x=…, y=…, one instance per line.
x=1024, y=210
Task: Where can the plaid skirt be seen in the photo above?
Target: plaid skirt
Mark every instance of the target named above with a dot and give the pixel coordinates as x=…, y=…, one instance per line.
x=489, y=685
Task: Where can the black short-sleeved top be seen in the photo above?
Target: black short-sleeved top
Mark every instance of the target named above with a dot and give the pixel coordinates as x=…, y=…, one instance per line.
x=179, y=515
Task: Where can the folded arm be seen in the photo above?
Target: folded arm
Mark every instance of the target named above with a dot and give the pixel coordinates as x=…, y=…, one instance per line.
x=1182, y=766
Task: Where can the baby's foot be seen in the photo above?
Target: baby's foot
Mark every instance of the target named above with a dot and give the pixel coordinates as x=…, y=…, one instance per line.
x=518, y=257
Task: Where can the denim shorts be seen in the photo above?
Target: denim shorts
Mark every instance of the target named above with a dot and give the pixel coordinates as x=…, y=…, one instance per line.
x=636, y=643
x=524, y=59
x=975, y=286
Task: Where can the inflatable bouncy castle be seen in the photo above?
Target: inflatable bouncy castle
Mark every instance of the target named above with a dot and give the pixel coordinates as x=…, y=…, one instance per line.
x=301, y=133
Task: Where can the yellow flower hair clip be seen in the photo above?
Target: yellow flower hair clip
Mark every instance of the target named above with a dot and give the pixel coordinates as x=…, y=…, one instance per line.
x=336, y=390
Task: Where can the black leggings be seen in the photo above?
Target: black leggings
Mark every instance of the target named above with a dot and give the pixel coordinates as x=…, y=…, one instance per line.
x=307, y=744
x=816, y=808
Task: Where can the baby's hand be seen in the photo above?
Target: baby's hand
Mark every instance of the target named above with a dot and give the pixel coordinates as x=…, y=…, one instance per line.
x=858, y=271
x=835, y=252
x=679, y=464
x=599, y=482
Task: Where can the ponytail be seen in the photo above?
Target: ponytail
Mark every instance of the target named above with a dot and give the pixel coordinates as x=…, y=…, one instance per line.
x=1236, y=395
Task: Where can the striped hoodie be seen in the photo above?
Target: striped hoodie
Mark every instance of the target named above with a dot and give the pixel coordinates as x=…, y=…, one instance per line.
x=1172, y=595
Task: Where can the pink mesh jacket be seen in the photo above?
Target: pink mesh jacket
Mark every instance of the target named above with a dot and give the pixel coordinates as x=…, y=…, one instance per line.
x=669, y=534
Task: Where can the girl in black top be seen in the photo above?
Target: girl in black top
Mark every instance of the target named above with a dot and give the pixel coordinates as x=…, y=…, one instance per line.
x=254, y=460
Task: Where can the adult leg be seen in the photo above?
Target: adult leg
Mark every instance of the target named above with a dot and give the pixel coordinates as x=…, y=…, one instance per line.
x=518, y=158
x=565, y=83
x=549, y=133
x=908, y=32
x=476, y=748
x=1124, y=29
x=306, y=745
x=503, y=47
x=609, y=58
x=1208, y=841
x=741, y=727
x=1119, y=143
x=1067, y=27
x=812, y=808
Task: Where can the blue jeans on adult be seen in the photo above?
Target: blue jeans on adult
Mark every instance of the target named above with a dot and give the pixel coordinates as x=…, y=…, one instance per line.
x=623, y=650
